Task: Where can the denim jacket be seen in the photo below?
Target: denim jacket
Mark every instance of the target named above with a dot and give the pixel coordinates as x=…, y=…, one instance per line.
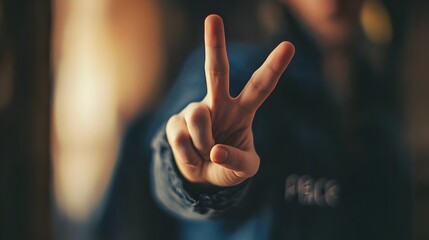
x=313, y=182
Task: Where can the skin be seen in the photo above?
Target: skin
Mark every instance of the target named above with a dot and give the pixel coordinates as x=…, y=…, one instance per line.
x=212, y=140
x=332, y=22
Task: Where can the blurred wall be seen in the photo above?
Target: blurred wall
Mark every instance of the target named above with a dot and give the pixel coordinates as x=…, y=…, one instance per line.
x=24, y=119
x=415, y=87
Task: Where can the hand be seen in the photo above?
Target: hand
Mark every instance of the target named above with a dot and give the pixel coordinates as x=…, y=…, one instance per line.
x=212, y=140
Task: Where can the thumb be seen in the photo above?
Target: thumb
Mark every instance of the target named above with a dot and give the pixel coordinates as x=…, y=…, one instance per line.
x=244, y=164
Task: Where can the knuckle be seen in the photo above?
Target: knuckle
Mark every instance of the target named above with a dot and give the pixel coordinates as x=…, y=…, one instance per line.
x=177, y=137
x=198, y=115
x=169, y=127
x=217, y=73
x=259, y=88
x=272, y=69
x=217, y=70
x=192, y=105
x=180, y=139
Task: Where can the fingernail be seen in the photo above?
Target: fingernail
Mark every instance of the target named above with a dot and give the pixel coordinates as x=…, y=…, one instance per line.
x=221, y=155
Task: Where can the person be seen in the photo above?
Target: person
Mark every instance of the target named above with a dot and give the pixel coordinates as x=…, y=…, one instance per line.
x=322, y=159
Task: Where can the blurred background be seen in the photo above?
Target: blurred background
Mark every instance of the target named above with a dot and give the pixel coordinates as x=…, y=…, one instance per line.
x=67, y=64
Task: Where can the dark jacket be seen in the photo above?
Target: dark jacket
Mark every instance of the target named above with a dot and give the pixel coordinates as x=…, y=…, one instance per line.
x=319, y=177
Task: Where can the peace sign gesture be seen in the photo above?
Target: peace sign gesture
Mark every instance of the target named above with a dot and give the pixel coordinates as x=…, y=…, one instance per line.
x=212, y=140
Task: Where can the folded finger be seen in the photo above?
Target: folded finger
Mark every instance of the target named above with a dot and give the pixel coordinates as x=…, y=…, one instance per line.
x=198, y=121
x=180, y=141
x=244, y=164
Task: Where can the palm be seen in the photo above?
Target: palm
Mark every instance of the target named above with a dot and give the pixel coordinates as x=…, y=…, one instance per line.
x=231, y=124
x=212, y=140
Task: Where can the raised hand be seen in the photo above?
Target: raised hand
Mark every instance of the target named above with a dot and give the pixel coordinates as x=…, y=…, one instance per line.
x=212, y=140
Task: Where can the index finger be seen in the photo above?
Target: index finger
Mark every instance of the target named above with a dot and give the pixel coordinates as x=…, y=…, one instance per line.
x=265, y=79
x=216, y=64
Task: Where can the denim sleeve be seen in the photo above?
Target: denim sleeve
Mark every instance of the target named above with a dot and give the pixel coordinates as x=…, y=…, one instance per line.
x=176, y=195
x=170, y=189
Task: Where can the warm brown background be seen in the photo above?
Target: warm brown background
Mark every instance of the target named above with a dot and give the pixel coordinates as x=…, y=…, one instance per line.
x=416, y=109
x=24, y=119
x=25, y=93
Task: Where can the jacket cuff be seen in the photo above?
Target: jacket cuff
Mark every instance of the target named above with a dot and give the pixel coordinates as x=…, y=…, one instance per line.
x=181, y=197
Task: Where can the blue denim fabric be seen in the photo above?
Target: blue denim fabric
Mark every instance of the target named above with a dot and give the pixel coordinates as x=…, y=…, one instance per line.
x=298, y=135
x=254, y=228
